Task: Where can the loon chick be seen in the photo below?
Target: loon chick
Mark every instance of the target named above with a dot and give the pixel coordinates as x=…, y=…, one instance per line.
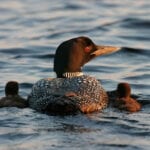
x=12, y=99
x=124, y=100
x=71, y=91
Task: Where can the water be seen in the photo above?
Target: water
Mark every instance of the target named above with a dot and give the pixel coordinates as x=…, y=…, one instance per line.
x=30, y=31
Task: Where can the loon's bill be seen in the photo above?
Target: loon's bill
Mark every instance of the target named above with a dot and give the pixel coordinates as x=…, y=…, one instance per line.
x=103, y=50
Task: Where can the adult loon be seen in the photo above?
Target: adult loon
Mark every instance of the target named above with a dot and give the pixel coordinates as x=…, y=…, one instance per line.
x=71, y=91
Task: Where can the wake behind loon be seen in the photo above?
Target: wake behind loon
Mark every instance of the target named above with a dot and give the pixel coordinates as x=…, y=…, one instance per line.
x=71, y=91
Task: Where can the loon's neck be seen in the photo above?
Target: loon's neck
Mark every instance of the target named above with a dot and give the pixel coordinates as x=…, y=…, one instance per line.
x=72, y=74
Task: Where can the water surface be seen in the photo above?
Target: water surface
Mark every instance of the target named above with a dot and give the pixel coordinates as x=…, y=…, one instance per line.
x=30, y=32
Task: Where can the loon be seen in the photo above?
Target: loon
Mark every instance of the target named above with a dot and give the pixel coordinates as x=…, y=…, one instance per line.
x=71, y=91
x=12, y=98
x=124, y=101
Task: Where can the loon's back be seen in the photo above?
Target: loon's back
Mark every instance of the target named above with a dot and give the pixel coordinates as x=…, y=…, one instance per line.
x=65, y=95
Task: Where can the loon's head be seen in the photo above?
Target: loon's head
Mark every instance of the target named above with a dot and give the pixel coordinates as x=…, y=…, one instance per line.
x=11, y=88
x=123, y=90
x=72, y=54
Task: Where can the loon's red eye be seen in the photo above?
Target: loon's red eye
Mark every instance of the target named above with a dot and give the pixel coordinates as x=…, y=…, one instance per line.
x=87, y=49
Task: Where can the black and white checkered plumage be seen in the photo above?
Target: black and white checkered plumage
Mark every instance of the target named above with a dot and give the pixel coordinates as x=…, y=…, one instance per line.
x=85, y=91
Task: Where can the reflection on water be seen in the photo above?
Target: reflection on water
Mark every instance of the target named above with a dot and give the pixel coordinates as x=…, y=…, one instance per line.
x=30, y=31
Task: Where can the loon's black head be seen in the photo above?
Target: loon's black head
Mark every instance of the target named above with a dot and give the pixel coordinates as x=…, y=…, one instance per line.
x=123, y=90
x=11, y=88
x=72, y=54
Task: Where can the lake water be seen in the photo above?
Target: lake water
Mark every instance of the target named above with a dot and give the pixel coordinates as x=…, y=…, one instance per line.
x=31, y=30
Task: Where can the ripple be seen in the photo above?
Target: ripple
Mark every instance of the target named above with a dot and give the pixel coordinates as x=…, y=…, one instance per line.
x=73, y=6
x=26, y=85
x=135, y=23
x=138, y=77
x=140, y=37
x=16, y=51
x=136, y=50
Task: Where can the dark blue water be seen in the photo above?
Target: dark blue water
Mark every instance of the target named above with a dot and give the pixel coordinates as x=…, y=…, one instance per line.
x=30, y=31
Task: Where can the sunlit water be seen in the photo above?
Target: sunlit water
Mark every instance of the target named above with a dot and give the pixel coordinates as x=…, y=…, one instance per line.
x=31, y=30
